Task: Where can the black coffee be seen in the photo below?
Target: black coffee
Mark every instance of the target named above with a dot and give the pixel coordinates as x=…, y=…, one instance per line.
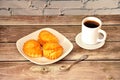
x=91, y=24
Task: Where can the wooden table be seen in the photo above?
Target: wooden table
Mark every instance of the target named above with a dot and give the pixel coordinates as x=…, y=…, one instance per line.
x=102, y=64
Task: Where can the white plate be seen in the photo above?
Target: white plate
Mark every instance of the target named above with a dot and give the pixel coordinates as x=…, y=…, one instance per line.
x=65, y=43
x=87, y=46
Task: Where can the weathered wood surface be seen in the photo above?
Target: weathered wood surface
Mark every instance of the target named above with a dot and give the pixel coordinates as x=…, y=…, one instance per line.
x=102, y=64
x=13, y=33
x=110, y=51
x=87, y=70
x=10, y=34
x=54, y=20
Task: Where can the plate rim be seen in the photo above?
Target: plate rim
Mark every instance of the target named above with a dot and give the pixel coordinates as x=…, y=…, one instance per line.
x=54, y=61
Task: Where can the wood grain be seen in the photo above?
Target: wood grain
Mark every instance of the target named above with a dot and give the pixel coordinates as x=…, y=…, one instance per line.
x=55, y=20
x=13, y=33
x=102, y=63
x=110, y=51
x=86, y=70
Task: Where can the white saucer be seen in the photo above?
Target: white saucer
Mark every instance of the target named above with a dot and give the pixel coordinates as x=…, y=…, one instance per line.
x=87, y=46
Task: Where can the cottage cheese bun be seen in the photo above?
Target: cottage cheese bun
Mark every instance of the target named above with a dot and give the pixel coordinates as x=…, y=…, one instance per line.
x=32, y=48
x=45, y=37
x=52, y=50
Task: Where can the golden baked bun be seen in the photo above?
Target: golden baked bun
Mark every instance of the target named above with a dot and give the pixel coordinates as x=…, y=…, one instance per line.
x=52, y=50
x=45, y=36
x=32, y=48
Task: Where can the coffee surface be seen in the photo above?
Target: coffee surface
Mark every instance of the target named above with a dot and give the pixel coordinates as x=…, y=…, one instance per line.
x=91, y=24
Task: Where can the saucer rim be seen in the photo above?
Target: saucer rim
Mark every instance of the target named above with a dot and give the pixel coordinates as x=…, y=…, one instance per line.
x=83, y=44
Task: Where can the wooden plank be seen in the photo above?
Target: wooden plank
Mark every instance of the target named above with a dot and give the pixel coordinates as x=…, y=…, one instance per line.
x=86, y=70
x=55, y=20
x=110, y=51
x=13, y=33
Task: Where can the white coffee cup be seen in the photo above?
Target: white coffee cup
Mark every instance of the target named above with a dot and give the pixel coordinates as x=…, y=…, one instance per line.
x=91, y=28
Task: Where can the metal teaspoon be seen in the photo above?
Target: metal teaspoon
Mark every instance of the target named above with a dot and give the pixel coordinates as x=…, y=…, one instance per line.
x=65, y=68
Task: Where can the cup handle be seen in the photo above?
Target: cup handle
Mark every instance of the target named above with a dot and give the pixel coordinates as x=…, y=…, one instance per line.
x=104, y=34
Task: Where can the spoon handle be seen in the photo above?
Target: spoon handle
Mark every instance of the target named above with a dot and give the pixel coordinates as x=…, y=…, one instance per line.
x=82, y=58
